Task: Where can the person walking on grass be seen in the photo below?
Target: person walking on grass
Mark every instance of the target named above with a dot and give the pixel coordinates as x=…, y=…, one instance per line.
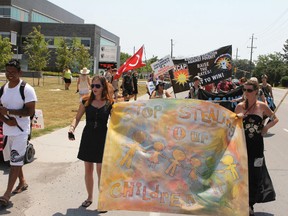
x=67, y=77
x=83, y=83
x=15, y=113
x=97, y=108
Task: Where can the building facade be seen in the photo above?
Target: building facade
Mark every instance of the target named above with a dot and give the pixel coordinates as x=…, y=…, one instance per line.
x=18, y=17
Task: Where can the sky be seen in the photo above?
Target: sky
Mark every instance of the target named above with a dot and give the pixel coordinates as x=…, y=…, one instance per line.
x=194, y=27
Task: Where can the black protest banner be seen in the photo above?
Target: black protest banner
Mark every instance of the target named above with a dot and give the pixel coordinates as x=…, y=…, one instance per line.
x=180, y=77
x=211, y=67
x=224, y=99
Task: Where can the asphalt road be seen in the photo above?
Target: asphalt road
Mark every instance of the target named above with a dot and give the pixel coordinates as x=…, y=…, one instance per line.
x=56, y=176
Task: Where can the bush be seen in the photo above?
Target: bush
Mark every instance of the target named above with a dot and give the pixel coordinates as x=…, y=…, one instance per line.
x=284, y=81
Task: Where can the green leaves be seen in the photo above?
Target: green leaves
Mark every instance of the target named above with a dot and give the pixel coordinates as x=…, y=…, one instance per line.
x=36, y=48
x=5, y=51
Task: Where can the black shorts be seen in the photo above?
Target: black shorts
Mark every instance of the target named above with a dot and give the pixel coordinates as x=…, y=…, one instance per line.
x=127, y=92
x=67, y=80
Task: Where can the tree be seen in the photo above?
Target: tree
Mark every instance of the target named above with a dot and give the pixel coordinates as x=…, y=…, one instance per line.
x=273, y=66
x=64, y=55
x=81, y=55
x=36, y=48
x=5, y=51
x=72, y=54
x=243, y=68
x=285, y=49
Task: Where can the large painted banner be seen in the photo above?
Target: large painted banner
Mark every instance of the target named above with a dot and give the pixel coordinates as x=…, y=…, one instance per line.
x=174, y=156
x=211, y=67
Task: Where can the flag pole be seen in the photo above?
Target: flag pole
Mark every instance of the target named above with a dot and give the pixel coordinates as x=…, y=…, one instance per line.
x=145, y=60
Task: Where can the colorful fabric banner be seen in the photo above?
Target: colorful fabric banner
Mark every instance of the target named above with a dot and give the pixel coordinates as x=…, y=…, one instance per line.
x=174, y=156
x=211, y=67
x=133, y=62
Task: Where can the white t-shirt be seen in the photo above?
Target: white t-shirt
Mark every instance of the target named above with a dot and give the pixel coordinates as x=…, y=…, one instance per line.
x=11, y=99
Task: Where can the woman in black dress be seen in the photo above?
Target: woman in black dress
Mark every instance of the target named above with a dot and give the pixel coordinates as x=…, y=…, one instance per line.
x=97, y=108
x=252, y=111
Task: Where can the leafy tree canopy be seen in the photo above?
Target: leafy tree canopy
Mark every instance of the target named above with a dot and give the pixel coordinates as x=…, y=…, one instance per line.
x=5, y=51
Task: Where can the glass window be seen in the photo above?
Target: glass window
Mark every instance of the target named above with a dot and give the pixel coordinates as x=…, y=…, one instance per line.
x=86, y=42
x=36, y=17
x=105, y=42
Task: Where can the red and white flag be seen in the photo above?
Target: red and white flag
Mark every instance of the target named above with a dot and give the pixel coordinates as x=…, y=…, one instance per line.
x=133, y=62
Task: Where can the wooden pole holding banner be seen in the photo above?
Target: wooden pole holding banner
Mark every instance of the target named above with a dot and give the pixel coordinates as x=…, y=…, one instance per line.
x=280, y=103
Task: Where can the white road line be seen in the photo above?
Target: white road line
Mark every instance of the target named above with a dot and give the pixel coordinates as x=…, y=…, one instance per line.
x=285, y=129
x=154, y=214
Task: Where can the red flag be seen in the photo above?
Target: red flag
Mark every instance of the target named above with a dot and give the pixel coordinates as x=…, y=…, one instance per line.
x=133, y=62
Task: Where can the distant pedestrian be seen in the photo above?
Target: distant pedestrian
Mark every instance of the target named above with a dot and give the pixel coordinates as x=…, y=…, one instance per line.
x=83, y=83
x=267, y=90
x=115, y=84
x=67, y=77
x=127, y=86
x=97, y=108
x=135, y=84
x=108, y=74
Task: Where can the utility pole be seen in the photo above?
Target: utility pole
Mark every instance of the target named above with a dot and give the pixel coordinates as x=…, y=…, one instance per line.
x=237, y=54
x=252, y=47
x=172, y=48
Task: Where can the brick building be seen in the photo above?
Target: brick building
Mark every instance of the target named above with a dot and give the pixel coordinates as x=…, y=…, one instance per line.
x=18, y=17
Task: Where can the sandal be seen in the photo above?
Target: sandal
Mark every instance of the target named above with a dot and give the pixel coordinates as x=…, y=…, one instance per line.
x=4, y=201
x=86, y=203
x=20, y=189
x=102, y=212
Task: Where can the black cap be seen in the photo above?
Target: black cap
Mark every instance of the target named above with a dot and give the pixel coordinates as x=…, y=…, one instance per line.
x=14, y=63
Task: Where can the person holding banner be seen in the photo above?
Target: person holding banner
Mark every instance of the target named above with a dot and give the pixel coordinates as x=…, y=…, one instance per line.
x=97, y=108
x=267, y=89
x=253, y=111
x=193, y=93
x=159, y=91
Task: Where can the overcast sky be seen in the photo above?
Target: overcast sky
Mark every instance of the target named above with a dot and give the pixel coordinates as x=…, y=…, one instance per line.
x=196, y=27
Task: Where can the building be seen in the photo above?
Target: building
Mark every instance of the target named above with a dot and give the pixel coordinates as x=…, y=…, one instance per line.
x=18, y=17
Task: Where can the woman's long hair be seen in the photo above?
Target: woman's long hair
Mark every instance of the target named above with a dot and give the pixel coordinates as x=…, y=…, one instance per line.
x=255, y=85
x=106, y=92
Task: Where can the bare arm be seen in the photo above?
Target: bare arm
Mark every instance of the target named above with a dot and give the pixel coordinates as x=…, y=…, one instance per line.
x=76, y=120
x=27, y=110
x=273, y=119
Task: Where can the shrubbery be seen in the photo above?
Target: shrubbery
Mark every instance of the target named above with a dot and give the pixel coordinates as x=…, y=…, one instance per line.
x=284, y=81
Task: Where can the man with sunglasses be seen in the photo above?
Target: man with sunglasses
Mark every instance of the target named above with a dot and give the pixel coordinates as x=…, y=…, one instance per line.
x=15, y=112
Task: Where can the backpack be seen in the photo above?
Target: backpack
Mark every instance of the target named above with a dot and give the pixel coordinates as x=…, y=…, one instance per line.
x=21, y=90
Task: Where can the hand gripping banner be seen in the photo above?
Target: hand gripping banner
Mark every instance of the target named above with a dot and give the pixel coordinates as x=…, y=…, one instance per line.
x=174, y=156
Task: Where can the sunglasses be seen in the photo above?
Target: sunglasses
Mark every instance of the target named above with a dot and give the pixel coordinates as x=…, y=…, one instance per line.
x=248, y=90
x=96, y=86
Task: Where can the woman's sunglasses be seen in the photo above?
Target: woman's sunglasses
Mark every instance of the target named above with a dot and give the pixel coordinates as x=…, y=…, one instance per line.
x=248, y=90
x=96, y=86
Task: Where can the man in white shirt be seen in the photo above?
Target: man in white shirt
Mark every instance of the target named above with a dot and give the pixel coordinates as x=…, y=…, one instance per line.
x=15, y=113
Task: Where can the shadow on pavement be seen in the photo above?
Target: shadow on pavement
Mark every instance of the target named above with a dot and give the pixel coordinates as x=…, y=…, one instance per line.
x=5, y=167
x=79, y=212
x=263, y=214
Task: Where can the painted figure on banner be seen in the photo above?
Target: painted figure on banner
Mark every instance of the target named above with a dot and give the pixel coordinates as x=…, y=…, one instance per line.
x=178, y=156
x=154, y=158
x=139, y=137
